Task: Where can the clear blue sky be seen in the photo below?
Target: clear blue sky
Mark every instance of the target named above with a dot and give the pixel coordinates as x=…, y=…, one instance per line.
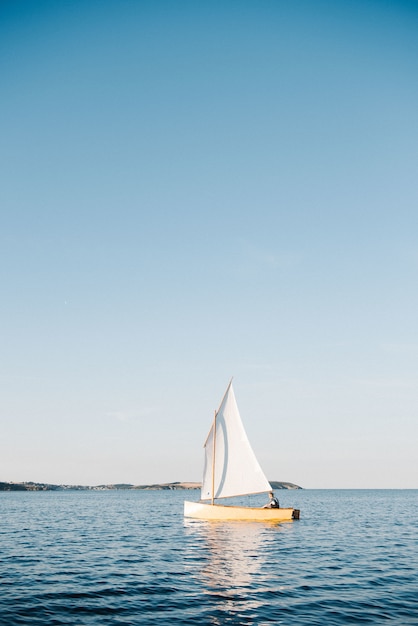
x=191, y=191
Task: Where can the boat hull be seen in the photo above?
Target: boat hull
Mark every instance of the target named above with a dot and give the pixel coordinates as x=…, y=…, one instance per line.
x=200, y=510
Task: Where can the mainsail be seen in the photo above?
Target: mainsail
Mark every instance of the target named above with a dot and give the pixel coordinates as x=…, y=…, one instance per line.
x=231, y=468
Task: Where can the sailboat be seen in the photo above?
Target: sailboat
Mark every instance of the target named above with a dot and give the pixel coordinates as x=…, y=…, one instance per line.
x=231, y=469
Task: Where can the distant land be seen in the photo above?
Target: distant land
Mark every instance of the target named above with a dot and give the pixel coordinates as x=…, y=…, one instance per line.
x=29, y=486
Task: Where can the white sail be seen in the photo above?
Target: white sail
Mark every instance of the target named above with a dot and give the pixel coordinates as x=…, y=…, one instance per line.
x=236, y=470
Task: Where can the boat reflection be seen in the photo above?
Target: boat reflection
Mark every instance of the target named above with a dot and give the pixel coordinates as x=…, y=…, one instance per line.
x=230, y=560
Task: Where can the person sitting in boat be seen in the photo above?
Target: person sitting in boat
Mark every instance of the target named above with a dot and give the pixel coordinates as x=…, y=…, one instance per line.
x=273, y=503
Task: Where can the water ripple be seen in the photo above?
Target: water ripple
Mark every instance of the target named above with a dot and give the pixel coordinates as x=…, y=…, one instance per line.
x=87, y=558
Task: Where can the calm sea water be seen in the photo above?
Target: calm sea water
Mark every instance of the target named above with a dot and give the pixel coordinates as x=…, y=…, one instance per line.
x=129, y=557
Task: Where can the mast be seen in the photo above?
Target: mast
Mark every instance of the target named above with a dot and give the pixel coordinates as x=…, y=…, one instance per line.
x=213, y=458
x=213, y=433
x=214, y=443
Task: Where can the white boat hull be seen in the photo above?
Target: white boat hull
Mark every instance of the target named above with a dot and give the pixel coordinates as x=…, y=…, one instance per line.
x=200, y=510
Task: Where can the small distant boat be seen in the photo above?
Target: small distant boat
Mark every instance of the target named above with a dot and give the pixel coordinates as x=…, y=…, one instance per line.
x=231, y=469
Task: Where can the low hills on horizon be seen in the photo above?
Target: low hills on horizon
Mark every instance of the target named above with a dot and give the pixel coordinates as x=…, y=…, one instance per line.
x=32, y=486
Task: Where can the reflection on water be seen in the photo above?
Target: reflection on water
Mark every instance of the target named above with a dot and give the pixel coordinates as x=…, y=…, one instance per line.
x=232, y=564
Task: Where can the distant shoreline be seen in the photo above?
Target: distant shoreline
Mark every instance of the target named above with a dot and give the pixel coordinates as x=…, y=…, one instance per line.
x=31, y=486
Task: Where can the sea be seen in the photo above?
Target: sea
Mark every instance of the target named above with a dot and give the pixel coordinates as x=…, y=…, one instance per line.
x=130, y=557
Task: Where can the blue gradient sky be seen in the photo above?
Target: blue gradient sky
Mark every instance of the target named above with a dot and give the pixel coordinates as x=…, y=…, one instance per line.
x=197, y=190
